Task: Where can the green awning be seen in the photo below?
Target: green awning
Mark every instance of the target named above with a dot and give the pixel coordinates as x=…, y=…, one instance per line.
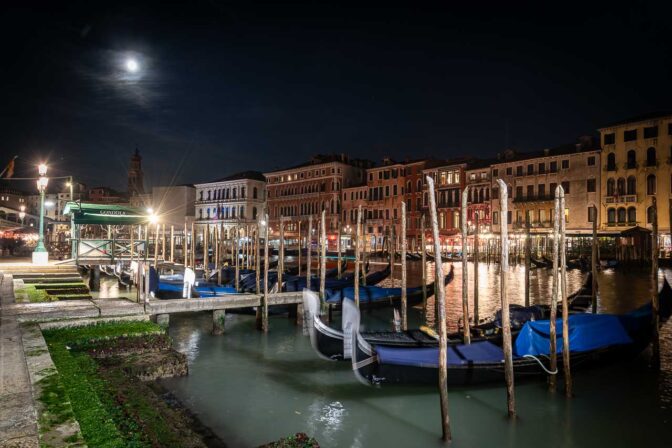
x=105, y=214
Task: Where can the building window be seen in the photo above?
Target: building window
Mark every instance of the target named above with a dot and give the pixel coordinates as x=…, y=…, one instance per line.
x=495, y=172
x=519, y=170
x=592, y=211
x=591, y=161
x=611, y=216
x=620, y=186
x=621, y=215
x=629, y=136
x=649, y=214
x=508, y=217
x=495, y=217
x=530, y=169
x=651, y=132
x=609, y=139
x=611, y=162
x=519, y=192
x=632, y=215
x=565, y=164
x=632, y=159
x=591, y=185
x=651, y=156
x=565, y=186
x=509, y=171
x=541, y=189
x=651, y=184
x=632, y=185
x=552, y=190
x=554, y=167
x=542, y=168
x=495, y=192
x=530, y=191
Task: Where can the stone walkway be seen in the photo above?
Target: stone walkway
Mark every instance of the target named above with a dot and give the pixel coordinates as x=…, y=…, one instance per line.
x=18, y=418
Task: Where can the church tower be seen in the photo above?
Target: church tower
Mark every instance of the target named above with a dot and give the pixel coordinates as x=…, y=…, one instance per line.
x=135, y=176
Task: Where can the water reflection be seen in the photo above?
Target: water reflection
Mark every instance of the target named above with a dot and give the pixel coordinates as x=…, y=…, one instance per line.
x=252, y=388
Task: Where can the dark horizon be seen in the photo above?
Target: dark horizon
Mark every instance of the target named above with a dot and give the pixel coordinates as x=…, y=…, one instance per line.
x=226, y=88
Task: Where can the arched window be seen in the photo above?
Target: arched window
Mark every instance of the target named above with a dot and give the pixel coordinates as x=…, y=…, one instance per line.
x=611, y=216
x=632, y=185
x=233, y=211
x=651, y=157
x=209, y=194
x=632, y=215
x=408, y=186
x=651, y=184
x=620, y=186
x=649, y=215
x=419, y=185
x=242, y=192
x=632, y=159
x=611, y=187
x=611, y=162
x=200, y=211
x=234, y=193
x=242, y=211
x=254, y=193
x=621, y=215
x=208, y=210
x=487, y=194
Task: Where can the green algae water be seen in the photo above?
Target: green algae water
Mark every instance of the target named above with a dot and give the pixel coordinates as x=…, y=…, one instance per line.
x=251, y=388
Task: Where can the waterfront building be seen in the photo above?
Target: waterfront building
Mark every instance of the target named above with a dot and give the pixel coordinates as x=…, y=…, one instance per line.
x=636, y=167
x=106, y=195
x=413, y=193
x=449, y=181
x=174, y=205
x=235, y=200
x=353, y=197
x=385, y=185
x=478, y=181
x=305, y=190
x=532, y=177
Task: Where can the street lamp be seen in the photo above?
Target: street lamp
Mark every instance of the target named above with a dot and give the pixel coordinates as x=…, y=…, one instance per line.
x=70, y=183
x=40, y=254
x=22, y=214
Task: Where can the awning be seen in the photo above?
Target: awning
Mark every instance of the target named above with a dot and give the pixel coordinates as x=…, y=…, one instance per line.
x=105, y=214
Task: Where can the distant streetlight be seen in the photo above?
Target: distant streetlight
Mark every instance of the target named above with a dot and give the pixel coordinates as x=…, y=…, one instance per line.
x=40, y=254
x=22, y=214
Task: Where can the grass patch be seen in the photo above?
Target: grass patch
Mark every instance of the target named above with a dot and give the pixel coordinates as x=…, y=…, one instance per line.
x=103, y=422
x=33, y=295
x=59, y=285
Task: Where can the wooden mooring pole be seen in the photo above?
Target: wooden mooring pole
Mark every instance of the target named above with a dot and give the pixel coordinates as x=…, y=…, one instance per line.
x=528, y=255
x=281, y=253
x=593, y=264
x=404, y=298
x=193, y=247
x=506, y=321
x=357, y=268
x=264, y=297
x=466, y=332
x=565, y=305
x=310, y=249
x=338, y=248
x=553, y=350
x=441, y=318
x=257, y=258
x=476, y=256
x=655, y=359
x=299, y=246
x=323, y=259
x=424, y=267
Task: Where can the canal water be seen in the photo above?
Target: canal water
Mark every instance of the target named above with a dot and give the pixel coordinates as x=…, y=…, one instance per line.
x=251, y=388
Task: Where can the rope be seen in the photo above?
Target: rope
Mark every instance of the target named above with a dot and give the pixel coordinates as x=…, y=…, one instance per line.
x=541, y=364
x=359, y=364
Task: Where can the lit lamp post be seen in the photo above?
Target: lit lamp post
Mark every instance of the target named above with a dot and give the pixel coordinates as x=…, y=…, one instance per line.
x=70, y=184
x=40, y=255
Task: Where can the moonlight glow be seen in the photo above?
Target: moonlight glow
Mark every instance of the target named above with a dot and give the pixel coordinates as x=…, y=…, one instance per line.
x=132, y=65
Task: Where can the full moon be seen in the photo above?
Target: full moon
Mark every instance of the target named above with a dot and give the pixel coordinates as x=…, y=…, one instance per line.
x=132, y=65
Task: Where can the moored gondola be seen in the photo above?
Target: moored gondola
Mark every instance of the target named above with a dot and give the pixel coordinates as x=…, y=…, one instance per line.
x=595, y=339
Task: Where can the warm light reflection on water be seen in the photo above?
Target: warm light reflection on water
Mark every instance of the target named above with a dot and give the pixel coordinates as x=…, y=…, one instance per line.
x=252, y=388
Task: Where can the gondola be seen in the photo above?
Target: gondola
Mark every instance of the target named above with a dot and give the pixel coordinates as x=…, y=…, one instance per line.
x=328, y=342
x=595, y=339
x=378, y=297
x=164, y=288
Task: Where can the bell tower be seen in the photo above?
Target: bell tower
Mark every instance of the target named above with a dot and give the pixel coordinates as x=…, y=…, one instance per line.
x=135, y=175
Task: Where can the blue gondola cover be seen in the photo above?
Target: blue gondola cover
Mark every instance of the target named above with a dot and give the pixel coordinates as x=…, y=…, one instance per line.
x=586, y=332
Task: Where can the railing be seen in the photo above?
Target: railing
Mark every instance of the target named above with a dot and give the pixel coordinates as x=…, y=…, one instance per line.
x=623, y=224
x=623, y=199
x=110, y=249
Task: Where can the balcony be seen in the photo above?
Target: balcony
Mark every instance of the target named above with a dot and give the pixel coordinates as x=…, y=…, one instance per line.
x=533, y=198
x=622, y=224
x=623, y=199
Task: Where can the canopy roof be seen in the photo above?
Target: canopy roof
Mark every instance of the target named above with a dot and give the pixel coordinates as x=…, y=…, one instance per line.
x=84, y=213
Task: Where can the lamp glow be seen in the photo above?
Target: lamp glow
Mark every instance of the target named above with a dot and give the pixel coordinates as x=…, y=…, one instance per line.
x=42, y=169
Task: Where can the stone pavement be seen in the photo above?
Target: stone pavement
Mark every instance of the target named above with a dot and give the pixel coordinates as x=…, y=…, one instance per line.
x=18, y=418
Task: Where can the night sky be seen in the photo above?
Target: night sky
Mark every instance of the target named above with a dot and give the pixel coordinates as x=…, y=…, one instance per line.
x=224, y=87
